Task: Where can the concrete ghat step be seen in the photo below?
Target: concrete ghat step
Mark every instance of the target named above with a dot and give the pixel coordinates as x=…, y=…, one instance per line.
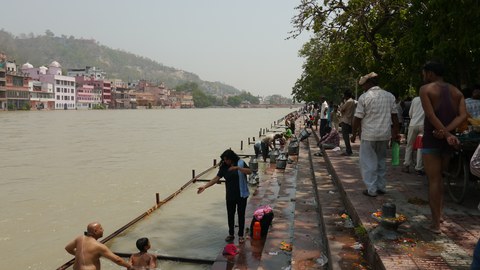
x=307, y=240
x=340, y=239
x=427, y=251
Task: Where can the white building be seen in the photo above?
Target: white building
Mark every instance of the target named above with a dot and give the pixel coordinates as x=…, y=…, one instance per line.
x=91, y=72
x=63, y=86
x=42, y=95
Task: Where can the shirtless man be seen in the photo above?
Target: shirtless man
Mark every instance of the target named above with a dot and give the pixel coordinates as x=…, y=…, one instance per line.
x=88, y=250
x=444, y=107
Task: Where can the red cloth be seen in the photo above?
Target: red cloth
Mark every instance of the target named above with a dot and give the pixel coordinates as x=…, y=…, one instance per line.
x=230, y=249
x=418, y=142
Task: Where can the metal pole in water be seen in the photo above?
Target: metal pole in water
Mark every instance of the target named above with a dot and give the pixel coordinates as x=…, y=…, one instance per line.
x=193, y=173
x=241, y=145
x=157, y=197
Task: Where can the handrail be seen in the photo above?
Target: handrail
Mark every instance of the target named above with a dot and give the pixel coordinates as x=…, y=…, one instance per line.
x=144, y=214
x=171, y=258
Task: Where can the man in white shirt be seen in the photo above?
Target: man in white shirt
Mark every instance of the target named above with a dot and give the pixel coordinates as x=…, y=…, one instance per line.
x=375, y=113
x=323, y=116
x=415, y=128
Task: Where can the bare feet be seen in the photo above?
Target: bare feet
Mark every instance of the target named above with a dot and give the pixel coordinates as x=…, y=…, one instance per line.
x=433, y=229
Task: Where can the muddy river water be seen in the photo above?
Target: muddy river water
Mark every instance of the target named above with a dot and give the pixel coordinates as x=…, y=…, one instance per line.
x=60, y=170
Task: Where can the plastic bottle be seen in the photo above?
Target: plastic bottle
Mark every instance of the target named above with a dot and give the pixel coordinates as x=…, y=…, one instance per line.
x=395, y=153
x=257, y=231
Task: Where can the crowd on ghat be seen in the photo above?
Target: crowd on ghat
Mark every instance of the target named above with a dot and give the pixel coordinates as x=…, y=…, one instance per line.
x=429, y=122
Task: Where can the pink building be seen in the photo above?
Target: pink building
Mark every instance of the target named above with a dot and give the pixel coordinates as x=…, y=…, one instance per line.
x=88, y=97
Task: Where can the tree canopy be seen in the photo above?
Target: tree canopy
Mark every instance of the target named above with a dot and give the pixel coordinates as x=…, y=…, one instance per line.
x=394, y=38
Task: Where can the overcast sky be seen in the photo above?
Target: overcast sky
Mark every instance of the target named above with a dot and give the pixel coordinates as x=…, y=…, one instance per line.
x=240, y=43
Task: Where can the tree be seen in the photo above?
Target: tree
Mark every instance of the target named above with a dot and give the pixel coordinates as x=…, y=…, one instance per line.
x=49, y=33
x=234, y=101
x=200, y=99
x=391, y=37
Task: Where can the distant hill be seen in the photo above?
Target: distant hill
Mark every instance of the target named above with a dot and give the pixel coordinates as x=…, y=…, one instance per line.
x=79, y=53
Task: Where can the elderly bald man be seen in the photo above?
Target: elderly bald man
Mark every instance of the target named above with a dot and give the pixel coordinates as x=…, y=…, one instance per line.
x=87, y=250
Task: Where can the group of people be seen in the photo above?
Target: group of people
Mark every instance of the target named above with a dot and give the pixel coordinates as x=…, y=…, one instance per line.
x=377, y=123
x=330, y=117
x=88, y=251
x=437, y=112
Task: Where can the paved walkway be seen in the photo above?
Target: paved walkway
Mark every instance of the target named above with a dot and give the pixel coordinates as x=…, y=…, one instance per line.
x=308, y=199
x=416, y=247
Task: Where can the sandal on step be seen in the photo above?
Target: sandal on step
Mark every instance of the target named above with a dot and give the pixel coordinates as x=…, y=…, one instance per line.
x=241, y=240
x=229, y=238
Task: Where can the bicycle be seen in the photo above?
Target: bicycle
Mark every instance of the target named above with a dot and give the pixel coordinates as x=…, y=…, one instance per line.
x=458, y=177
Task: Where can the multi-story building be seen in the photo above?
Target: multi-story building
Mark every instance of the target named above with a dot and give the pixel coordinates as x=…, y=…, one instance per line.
x=63, y=86
x=181, y=100
x=16, y=88
x=41, y=95
x=91, y=72
x=105, y=86
x=3, y=81
x=122, y=96
x=87, y=96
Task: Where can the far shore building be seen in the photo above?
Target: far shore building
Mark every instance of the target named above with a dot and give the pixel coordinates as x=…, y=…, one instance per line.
x=146, y=100
x=96, y=78
x=3, y=81
x=91, y=72
x=122, y=96
x=63, y=86
x=42, y=96
x=16, y=88
x=87, y=96
x=181, y=100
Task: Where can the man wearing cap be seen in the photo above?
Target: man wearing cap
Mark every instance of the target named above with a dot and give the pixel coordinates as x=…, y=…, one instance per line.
x=375, y=113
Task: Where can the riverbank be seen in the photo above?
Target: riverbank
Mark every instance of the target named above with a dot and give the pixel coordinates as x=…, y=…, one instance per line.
x=326, y=222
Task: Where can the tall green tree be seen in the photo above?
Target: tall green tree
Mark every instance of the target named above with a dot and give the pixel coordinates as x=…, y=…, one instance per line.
x=391, y=37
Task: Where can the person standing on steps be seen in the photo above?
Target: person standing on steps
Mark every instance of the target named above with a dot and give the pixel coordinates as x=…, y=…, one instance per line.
x=234, y=170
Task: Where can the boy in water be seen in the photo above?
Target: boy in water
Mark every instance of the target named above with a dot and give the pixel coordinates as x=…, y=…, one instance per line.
x=143, y=259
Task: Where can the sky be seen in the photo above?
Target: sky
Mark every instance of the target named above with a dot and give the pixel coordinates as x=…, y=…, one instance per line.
x=239, y=43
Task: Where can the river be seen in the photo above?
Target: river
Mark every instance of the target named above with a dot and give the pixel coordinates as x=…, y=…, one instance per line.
x=61, y=170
